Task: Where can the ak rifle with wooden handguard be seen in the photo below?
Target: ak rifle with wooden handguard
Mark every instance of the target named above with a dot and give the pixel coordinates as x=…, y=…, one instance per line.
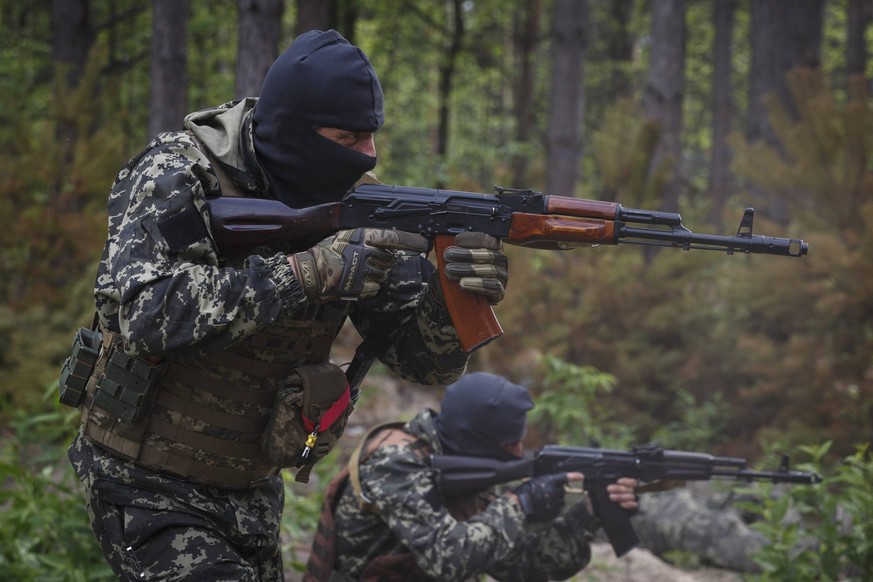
x=519, y=217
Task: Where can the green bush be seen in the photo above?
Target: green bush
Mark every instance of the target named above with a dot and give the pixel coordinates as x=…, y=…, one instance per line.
x=822, y=531
x=569, y=406
x=44, y=530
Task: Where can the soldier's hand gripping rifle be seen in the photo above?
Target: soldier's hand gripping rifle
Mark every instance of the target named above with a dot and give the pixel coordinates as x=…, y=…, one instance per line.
x=518, y=217
x=655, y=468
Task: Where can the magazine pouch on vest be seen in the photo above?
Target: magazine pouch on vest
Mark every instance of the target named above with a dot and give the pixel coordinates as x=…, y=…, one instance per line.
x=308, y=419
x=125, y=388
x=79, y=366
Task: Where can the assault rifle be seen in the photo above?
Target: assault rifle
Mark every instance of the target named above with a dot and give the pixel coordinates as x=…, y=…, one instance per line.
x=518, y=217
x=655, y=468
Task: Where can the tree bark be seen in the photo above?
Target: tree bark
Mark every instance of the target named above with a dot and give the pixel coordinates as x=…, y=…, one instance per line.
x=722, y=108
x=526, y=46
x=567, y=103
x=446, y=77
x=260, y=29
x=664, y=93
x=620, y=47
x=72, y=37
x=859, y=12
x=315, y=15
x=781, y=40
x=169, y=65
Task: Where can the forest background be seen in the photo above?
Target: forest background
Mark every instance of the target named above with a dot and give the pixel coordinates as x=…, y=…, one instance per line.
x=702, y=107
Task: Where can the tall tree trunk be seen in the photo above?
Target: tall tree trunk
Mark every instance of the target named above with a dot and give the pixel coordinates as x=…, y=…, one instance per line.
x=722, y=108
x=620, y=47
x=856, y=45
x=526, y=47
x=260, y=29
x=781, y=40
x=346, y=18
x=315, y=15
x=664, y=93
x=447, y=70
x=72, y=37
x=567, y=103
x=169, y=65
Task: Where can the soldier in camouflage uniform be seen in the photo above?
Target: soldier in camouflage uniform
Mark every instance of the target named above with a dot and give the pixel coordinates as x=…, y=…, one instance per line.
x=385, y=519
x=214, y=368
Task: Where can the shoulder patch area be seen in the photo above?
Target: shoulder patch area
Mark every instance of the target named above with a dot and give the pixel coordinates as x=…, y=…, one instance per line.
x=182, y=229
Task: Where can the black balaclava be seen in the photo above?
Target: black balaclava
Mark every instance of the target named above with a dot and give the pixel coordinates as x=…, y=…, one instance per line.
x=320, y=81
x=480, y=412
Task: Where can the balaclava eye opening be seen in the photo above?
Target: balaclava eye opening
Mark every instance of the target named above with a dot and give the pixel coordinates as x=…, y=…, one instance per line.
x=321, y=80
x=480, y=412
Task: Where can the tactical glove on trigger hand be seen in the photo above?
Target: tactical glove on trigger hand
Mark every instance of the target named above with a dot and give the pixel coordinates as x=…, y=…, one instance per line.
x=477, y=262
x=542, y=498
x=352, y=264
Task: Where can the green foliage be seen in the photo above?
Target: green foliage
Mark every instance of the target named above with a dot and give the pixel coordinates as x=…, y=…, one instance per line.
x=821, y=162
x=212, y=42
x=821, y=165
x=34, y=343
x=779, y=348
x=823, y=531
x=623, y=148
x=302, y=509
x=569, y=408
x=44, y=531
x=59, y=210
x=699, y=426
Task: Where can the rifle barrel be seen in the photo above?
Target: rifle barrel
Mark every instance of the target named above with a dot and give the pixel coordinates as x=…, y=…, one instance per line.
x=685, y=239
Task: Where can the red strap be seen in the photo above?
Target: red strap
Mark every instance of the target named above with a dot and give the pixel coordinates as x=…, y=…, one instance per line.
x=330, y=415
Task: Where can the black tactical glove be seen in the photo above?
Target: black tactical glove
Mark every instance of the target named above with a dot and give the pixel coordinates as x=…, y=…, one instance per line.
x=477, y=262
x=352, y=264
x=541, y=498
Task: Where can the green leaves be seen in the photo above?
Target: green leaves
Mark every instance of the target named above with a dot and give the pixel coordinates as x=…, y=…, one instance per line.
x=822, y=531
x=44, y=531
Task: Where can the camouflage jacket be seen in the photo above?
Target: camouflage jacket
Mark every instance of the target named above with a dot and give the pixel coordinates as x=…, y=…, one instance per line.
x=229, y=330
x=408, y=515
x=165, y=287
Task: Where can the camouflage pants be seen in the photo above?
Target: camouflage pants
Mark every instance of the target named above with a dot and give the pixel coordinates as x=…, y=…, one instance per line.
x=153, y=527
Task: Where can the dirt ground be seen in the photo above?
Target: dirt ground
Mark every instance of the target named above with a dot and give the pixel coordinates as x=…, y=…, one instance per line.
x=640, y=565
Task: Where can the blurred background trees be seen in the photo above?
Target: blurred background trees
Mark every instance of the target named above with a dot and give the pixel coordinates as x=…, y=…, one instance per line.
x=697, y=106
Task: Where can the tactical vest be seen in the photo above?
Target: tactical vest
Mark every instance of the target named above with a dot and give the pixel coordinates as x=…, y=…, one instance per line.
x=206, y=414
x=203, y=417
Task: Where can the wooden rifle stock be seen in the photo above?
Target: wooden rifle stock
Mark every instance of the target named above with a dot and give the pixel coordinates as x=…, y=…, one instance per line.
x=244, y=223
